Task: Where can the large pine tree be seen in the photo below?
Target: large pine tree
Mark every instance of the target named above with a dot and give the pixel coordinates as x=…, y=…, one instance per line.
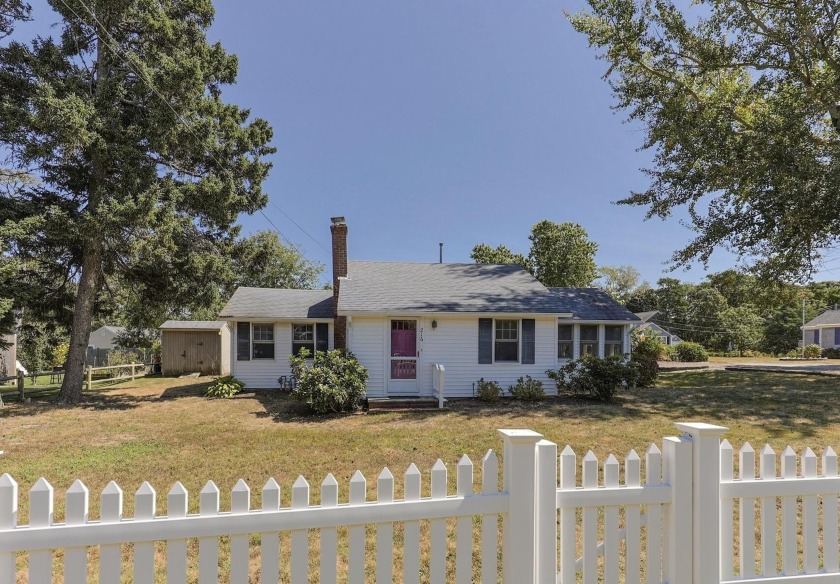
x=142, y=168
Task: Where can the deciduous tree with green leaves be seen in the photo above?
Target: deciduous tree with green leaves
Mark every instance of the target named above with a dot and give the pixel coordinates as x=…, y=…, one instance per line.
x=484, y=254
x=743, y=328
x=562, y=254
x=142, y=168
x=740, y=100
x=263, y=261
x=621, y=282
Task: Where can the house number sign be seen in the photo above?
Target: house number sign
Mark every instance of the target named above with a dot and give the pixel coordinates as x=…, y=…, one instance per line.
x=421, y=334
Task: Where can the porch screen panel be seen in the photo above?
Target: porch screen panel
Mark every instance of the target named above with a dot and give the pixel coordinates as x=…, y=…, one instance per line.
x=403, y=338
x=243, y=341
x=528, y=341
x=485, y=341
x=322, y=339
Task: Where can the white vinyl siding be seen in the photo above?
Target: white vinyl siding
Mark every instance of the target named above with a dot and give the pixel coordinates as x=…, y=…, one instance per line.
x=453, y=344
x=367, y=342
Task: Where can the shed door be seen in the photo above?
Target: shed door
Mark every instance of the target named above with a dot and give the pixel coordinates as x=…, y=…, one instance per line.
x=403, y=358
x=193, y=352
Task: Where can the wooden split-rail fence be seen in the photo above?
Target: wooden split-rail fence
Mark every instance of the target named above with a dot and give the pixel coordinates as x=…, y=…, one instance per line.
x=682, y=515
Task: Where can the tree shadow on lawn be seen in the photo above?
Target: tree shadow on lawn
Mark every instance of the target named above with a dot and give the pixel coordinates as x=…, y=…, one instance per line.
x=282, y=408
x=104, y=398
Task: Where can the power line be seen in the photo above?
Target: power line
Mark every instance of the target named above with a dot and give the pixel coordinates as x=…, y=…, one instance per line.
x=124, y=57
x=299, y=227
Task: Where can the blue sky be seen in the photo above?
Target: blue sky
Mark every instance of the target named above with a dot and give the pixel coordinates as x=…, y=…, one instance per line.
x=462, y=122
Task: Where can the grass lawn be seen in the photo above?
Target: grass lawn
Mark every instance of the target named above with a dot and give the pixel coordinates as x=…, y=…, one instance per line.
x=163, y=430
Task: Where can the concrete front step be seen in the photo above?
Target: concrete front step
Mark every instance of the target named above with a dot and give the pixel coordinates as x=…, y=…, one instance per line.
x=391, y=404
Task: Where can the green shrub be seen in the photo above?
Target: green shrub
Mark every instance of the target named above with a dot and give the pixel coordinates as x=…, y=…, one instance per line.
x=121, y=357
x=689, y=352
x=669, y=353
x=527, y=389
x=832, y=353
x=225, y=387
x=59, y=356
x=335, y=382
x=812, y=351
x=645, y=355
x=488, y=391
x=599, y=377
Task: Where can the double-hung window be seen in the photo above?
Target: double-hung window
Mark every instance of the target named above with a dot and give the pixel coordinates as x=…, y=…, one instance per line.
x=263, y=340
x=311, y=336
x=506, y=341
x=565, y=341
x=254, y=340
x=613, y=340
x=588, y=339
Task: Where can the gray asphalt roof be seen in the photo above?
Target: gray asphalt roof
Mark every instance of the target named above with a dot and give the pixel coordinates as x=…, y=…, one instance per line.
x=278, y=303
x=592, y=304
x=828, y=317
x=192, y=325
x=434, y=287
x=646, y=316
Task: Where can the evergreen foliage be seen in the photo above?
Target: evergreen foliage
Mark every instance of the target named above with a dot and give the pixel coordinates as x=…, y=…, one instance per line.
x=142, y=169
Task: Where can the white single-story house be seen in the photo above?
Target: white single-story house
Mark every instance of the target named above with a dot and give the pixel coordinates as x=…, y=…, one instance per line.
x=823, y=330
x=648, y=327
x=103, y=337
x=400, y=319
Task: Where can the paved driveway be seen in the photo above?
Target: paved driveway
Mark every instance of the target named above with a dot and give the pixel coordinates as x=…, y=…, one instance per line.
x=827, y=367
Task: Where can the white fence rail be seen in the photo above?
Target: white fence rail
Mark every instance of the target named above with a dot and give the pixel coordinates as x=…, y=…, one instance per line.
x=679, y=515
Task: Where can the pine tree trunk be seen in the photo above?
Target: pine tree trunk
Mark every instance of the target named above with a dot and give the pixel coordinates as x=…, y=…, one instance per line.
x=74, y=367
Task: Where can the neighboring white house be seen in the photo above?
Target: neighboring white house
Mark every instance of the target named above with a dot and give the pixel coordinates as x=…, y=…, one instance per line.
x=103, y=337
x=648, y=327
x=823, y=330
x=400, y=319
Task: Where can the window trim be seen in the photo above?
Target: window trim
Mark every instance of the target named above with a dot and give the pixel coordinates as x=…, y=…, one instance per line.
x=316, y=338
x=518, y=341
x=255, y=342
x=619, y=343
x=570, y=341
x=581, y=340
x=313, y=342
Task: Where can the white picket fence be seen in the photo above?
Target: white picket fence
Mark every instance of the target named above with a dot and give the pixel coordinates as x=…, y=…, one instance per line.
x=687, y=522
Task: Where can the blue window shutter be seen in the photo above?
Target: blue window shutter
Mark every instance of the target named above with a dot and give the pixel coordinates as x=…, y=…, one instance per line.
x=485, y=341
x=243, y=341
x=817, y=337
x=528, y=341
x=322, y=339
x=837, y=336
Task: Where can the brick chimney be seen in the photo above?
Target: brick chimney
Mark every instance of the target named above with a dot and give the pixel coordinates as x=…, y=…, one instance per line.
x=339, y=261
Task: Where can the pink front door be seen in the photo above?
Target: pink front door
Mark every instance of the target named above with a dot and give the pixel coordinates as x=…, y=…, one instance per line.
x=404, y=355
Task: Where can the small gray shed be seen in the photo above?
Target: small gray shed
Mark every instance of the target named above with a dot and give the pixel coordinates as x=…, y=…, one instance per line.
x=195, y=346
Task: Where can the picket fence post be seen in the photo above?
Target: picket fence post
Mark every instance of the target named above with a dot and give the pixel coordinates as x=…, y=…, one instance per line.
x=679, y=538
x=519, y=532
x=546, y=503
x=705, y=445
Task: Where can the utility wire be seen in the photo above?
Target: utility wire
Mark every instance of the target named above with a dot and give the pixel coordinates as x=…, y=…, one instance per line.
x=125, y=58
x=299, y=227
